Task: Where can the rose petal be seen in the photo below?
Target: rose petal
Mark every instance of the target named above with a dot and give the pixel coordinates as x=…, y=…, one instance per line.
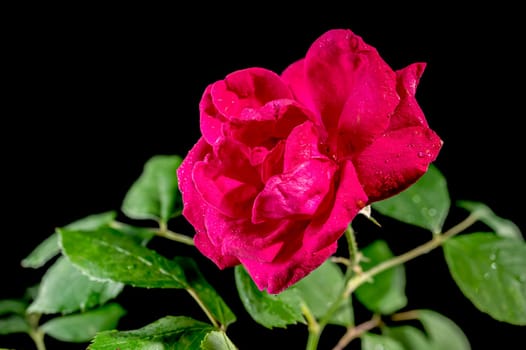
x=349, y=199
x=307, y=248
x=408, y=113
x=215, y=253
x=295, y=195
x=301, y=145
x=368, y=108
x=408, y=78
x=294, y=77
x=268, y=124
x=243, y=239
x=247, y=88
x=227, y=181
x=228, y=195
x=273, y=162
x=193, y=204
x=336, y=64
x=210, y=120
x=396, y=160
x=277, y=276
x=234, y=160
x=194, y=208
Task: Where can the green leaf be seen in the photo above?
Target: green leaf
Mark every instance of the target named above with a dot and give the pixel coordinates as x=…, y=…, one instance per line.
x=93, y=222
x=386, y=293
x=442, y=332
x=217, y=340
x=31, y=292
x=380, y=342
x=78, y=328
x=502, y=227
x=439, y=333
x=424, y=204
x=43, y=252
x=155, y=194
x=65, y=289
x=206, y=293
x=140, y=234
x=491, y=272
x=13, y=324
x=269, y=310
x=321, y=288
x=410, y=337
x=49, y=248
x=12, y=306
x=169, y=333
x=110, y=255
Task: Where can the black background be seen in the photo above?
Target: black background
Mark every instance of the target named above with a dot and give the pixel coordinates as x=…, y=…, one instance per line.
x=91, y=93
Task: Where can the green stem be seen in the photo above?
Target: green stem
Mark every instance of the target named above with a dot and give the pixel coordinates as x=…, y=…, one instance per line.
x=353, y=281
x=204, y=308
x=405, y=316
x=314, y=328
x=38, y=338
x=311, y=320
x=341, y=260
x=164, y=232
x=313, y=340
x=177, y=237
x=314, y=334
x=34, y=332
x=355, y=332
x=352, y=245
x=437, y=241
x=376, y=321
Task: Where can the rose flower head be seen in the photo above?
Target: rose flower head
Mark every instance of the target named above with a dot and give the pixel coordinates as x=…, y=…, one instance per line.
x=285, y=162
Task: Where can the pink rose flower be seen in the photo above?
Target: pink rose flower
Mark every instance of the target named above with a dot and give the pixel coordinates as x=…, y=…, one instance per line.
x=285, y=162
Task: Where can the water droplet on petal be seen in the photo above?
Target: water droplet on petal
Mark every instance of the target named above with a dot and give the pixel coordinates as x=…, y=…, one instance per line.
x=426, y=153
